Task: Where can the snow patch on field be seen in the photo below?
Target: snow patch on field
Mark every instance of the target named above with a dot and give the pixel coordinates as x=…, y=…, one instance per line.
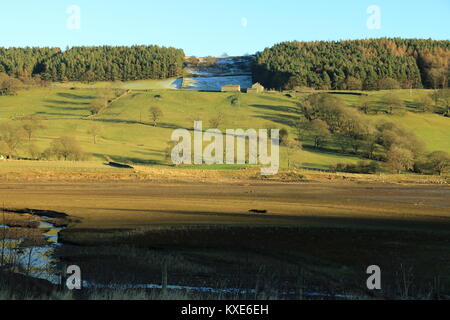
x=216, y=83
x=225, y=71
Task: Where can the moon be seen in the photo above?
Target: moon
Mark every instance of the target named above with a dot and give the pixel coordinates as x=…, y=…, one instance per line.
x=244, y=22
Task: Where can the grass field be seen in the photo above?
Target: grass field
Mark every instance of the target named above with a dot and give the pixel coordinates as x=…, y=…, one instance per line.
x=128, y=135
x=172, y=83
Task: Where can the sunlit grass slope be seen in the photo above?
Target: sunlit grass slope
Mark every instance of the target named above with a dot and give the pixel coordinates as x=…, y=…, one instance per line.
x=129, y=135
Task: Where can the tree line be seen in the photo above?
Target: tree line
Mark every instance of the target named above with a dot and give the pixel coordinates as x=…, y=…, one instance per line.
x=372, y=64
x=106, y=63
x=327, y=123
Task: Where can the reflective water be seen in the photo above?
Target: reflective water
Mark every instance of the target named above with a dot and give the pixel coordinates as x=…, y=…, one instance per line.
x=19, y=256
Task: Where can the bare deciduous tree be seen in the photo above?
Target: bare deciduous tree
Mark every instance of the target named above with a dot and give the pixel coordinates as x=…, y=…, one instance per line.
x=95, y=130
x=399, y=159
x=11, y=137
x=155, y=114
x=439, y=161
x=366, y=104
x=291, y=147
x=424, y=103
x=31, y=124
x=97, y=105
x=393, y=102
x=66, y=148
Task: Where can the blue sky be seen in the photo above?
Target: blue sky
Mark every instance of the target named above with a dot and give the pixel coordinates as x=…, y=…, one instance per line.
x=213, y=27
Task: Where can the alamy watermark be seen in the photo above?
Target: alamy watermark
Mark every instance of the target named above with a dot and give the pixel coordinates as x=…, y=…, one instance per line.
x=374, y=20
x=73, y=281
x=374, y=281
x=234, y=151
x=73, y=21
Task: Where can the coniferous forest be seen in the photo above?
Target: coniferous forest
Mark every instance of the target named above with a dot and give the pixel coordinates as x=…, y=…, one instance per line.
x=355, y=65
x=25, y=62
x=344, y=65
x=105, y=63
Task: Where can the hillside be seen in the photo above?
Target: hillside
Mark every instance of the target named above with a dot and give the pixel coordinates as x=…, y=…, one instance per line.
x=128, y=135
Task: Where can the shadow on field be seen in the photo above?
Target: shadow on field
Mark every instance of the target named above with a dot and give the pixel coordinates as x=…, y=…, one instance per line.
x=440, y=224
x=116, y=121
x=130, y=160
x=159, y=125
x=274, y=108
x=274, y=98
x=74, y=96
x=151, y=152
x=279, y=118
x=62, y=102
x=71, y=115
x=67, y=108
x=328, y=151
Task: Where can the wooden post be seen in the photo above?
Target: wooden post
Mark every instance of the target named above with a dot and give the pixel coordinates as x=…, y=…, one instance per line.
x=63, y=276
x=164, y=276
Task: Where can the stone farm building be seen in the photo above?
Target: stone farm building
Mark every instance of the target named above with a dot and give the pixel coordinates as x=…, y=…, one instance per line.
x=256, y=88
x=231, y=88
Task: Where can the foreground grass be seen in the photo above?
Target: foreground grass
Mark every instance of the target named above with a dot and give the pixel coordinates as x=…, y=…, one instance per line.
x=42, y=171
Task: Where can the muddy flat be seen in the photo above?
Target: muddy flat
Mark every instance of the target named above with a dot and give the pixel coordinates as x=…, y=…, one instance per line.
x=134, y=204
x=314, y=236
